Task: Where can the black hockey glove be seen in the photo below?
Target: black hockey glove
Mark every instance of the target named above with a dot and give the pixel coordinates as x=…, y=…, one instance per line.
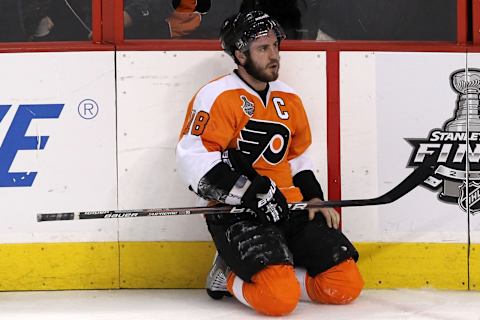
x=264, y=198
x=239, y=163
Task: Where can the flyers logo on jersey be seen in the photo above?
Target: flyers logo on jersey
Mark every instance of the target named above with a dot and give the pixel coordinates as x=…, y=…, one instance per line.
x=248, y=107
x=265, y=139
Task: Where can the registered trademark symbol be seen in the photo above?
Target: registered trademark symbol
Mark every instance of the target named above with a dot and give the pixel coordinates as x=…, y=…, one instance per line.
x=88, y=109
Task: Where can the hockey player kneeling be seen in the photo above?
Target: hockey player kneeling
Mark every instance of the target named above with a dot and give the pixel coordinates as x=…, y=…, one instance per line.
x=245, y=143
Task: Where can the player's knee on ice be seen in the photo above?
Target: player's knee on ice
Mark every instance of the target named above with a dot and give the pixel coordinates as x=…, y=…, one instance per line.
x=274, y=290
x=340, y=284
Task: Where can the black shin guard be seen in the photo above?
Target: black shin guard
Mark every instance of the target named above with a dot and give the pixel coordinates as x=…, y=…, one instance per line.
x=318, y=247
x=248, y=246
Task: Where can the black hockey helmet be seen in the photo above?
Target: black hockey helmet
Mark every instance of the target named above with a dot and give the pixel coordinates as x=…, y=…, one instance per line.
x=242, y=28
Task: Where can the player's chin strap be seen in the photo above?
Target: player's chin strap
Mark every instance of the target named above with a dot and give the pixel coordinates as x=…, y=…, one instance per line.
x=408, y=184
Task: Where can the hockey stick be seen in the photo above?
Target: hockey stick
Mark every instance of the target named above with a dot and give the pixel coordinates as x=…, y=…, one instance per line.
x=408, y=184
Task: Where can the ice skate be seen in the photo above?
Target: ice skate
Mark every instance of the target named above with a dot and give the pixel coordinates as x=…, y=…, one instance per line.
x=217, y=279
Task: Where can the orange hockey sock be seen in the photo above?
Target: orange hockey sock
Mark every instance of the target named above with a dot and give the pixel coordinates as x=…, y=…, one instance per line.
x=340, y=284
x=274, y=290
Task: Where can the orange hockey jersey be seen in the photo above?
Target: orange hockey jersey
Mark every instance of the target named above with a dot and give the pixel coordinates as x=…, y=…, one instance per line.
x=227, y=113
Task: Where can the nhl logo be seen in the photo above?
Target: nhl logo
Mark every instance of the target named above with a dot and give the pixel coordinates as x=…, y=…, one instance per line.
x=473, y=197
x=248, y=107
x=450, y=148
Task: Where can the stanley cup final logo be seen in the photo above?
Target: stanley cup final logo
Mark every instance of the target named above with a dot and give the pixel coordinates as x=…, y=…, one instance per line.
x=448, y=149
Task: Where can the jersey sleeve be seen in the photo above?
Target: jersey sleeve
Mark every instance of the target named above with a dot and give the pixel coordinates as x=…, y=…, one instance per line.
x=301, y=163
x=208, y=129
x=304, y=178
x=299, y=158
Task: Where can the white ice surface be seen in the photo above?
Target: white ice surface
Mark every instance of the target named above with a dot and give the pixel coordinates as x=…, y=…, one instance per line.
x=195, y=304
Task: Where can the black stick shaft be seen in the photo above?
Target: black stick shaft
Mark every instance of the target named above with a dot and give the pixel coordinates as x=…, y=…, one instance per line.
x=153, y=212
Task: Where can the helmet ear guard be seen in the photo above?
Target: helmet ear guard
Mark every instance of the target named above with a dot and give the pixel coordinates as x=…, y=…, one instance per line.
x=239, y=30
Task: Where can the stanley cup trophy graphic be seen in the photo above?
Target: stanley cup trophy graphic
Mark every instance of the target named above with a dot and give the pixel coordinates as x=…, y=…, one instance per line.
x=467, y=113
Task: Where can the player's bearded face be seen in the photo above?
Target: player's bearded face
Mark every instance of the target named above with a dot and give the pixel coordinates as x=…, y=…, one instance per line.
x=265, y=72
x=263, y=59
